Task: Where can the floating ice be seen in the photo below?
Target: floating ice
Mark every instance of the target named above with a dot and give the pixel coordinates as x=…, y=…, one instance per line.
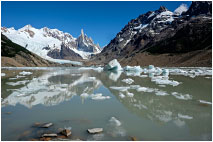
x=99, y=97
x=98, y=69
x=205, y=102
x=161, y=93
x=184, y=116
x=181, y=96
x=143, y=76
x=115, y=121
x=151, y=68
x=162, y=85
x=121, y=95
x=134, y=68
x=164, y=81
x=115, y=127
x=129, y=94
x=17, y=83
x=25, y=73
x=3, y=74
x=123, y=88
x=84, y=95
x=134, y=86
x=145, y=89
x=113, y=65
x=128, y=80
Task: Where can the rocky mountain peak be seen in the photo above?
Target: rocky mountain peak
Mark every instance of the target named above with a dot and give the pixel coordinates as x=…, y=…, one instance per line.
x=199, y=7
x=162, y=9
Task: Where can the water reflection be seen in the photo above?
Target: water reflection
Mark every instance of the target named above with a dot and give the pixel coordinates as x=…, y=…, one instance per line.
x=154, y=102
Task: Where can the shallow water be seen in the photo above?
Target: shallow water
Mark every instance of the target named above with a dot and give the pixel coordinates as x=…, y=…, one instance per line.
x=180, y=111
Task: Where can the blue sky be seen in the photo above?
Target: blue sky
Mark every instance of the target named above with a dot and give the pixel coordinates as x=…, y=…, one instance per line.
x=100, y=20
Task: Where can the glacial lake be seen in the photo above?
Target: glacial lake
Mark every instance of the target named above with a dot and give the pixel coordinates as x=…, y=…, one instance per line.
x=146, y=106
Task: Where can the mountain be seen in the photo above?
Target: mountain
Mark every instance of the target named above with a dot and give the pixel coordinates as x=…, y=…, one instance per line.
x=164, y=38
x=13, y=54
x=52, y=43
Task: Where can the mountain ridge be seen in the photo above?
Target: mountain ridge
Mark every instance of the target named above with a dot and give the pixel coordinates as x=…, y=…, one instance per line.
x=48, y=43
x=160, y=32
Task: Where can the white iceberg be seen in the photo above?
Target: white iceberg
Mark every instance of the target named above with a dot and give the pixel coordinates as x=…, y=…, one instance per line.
x=128, y=80
x=184, y=116
x=161, y=93
x=113, y=65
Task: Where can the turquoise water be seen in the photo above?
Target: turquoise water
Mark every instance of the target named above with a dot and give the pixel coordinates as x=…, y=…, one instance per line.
x=55, y=95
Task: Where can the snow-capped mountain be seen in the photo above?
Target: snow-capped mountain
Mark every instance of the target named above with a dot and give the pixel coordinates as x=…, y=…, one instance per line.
x=50, y=43
x=153, y=31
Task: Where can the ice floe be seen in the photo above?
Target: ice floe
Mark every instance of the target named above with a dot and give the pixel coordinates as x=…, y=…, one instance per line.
x=184, y=116
x=129, y=94
x=99, y=96
x=161, y=93
x=121, y=95
x=128, y=80
x=115, y=128
x=25, y=73
x=161, y=80
x=17, y=83
x=122, y=88
x=205, y=102
x=181, y=96
x=145, y=89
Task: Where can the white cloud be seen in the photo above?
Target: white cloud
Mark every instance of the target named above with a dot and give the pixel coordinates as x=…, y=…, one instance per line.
x=182, y=8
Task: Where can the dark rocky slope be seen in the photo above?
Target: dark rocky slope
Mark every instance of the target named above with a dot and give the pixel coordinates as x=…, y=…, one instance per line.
x=164, y=36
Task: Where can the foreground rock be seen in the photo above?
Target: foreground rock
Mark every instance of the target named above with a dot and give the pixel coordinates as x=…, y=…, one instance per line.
x=95, y=130
x=66, y=132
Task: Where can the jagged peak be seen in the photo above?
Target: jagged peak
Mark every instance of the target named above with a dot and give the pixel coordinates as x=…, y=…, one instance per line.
x=162, y=9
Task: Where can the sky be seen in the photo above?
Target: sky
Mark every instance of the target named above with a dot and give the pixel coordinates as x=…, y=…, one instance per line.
x=99, y=20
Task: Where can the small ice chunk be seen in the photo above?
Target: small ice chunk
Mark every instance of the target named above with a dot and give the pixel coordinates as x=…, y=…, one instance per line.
x=115, y=121
x=25, y=73
x=162, y=81
x=17, y=83
x=181, y=96
x=128, y=80
x=84, y=95
x=123, y=88
x=205, y=102
x=151, y=68
x=113, y=65
x=134, y=68
x=3, y=74
x=129, y=94
x=99, y=97
x=145, y=89
x=143, y=76
x=184, y=116
x=134, y=86
x=161, y=93
x=121, y=95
